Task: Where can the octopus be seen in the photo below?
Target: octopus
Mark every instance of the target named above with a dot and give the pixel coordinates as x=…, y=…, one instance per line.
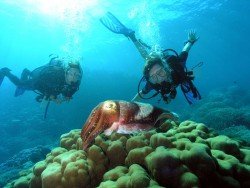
x=122, y=117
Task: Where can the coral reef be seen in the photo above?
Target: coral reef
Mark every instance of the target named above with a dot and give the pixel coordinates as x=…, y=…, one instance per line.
x=174, y=155
x=240, y=132
x=25, y=159
x=222, y=108
x=134, y=176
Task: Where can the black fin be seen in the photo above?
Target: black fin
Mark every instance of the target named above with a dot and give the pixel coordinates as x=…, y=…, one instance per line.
x=114, y=25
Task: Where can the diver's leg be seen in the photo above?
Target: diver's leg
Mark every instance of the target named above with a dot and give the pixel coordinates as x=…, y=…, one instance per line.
x=23, y=82
x=139, y=46
x=3, y=72
x=14, y=79
x=25, y=75
x=26, y=83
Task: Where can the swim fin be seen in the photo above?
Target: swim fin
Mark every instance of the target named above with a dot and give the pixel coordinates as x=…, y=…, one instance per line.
x=3, y=72
x=1, y=78
x=19, y=91
x=114, y=25
x=190, y=92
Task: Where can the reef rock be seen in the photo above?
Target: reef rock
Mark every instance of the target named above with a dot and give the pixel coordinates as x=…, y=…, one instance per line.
x=173, y=155
x=25, y=159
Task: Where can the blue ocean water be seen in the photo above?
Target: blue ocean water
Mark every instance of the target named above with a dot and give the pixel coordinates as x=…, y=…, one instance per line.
x=112, y=67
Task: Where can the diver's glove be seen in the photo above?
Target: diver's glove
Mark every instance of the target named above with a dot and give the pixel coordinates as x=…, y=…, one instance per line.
x=173, y=93
x=192, y=38
x=190, y=75
x=166, y=99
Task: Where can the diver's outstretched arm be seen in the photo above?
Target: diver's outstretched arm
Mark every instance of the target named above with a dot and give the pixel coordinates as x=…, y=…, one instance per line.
x=192, y=38
x=140, y=47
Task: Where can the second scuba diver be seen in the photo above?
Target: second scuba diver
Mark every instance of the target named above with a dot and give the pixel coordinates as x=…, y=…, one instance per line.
x=56, y=81
x=162, y=72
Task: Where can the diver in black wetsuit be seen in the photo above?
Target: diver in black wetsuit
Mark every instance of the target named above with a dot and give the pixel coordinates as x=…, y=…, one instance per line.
x=162, y=72
x=53, y=81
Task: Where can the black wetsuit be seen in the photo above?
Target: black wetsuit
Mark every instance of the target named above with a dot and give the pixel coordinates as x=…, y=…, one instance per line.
x=180, y=76
x=178, y=65
x=48, y=80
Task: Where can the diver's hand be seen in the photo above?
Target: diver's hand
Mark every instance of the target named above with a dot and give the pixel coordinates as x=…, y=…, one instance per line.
x=192, y=38
x=55, y=99
x=67, y=99
x=166, y=99
x=61, y=100
x=52, y=97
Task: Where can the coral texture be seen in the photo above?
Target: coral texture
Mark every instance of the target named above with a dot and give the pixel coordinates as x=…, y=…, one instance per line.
x=223, y=108
x=174, y=155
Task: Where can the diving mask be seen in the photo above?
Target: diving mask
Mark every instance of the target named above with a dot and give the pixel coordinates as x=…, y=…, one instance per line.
x=73, y=75
x=158, y=74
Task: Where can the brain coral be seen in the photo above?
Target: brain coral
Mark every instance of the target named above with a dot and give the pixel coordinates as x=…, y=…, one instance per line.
x=175, y=155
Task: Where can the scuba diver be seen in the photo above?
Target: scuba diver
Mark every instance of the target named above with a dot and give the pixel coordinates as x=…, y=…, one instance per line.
x=163, y=72
x=56, y=81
